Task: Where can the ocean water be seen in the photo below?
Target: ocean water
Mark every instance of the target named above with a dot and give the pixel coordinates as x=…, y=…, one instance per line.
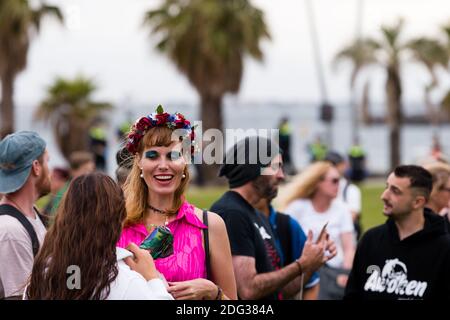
x=304, y=121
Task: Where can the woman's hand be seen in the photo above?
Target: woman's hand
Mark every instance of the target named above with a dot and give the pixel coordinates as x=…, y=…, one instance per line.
x=197, y=289
x=142, y=262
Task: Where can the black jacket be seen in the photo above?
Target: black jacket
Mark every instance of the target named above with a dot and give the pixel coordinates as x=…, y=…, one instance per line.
x=417, y=267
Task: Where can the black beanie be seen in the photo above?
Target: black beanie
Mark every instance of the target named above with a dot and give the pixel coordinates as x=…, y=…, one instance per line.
x=243, y=162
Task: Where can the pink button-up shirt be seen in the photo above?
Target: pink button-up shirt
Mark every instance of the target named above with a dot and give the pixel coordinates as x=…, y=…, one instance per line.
x=188, y=259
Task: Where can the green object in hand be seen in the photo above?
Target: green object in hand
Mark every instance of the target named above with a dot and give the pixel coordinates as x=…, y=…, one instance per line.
x=159, y=242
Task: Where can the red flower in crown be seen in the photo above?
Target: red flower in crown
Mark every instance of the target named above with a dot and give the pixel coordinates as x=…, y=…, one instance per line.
x=162, y=118
x=143, y=123
x=133, y=141
x=180, y=122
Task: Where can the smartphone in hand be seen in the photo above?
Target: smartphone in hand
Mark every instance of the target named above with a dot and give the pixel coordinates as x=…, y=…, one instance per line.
x=322, y=233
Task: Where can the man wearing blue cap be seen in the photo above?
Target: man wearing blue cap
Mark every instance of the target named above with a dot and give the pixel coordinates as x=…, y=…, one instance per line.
x=24, y=177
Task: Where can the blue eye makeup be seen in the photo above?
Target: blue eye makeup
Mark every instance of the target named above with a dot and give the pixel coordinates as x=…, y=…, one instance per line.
x=151, y=154
x=174, y=155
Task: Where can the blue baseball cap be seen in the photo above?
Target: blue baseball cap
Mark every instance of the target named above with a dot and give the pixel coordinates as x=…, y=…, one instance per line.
x=17, y=153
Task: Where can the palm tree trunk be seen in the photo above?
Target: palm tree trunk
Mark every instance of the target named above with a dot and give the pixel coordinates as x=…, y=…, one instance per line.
x=71, y=135
x=7, y=104
x=431, y=110
x=211, y=115
x=395, y=117
x=79, y=136
x=365, y=105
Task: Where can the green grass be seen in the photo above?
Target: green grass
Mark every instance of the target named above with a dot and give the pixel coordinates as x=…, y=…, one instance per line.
x=203, y=198
x=372, y=206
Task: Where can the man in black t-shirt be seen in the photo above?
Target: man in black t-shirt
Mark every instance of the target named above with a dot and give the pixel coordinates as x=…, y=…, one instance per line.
x=248, y=233
x=256, y=263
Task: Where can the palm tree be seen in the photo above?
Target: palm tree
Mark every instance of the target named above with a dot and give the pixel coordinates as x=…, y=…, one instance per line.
x=445, y=102
x=390, y=49
x=432, y=54
x=17, y=20
x=71, y=111
x=387, y=52
x=446, y=30
x=207, y=40
x=360, y=54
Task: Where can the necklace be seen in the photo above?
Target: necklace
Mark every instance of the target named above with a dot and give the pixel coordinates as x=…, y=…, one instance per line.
x=157, y=210
x=150, y=226
x=154, y=225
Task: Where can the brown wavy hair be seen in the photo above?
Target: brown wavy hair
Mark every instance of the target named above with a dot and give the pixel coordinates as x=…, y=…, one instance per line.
x=88, y=224
x=136, y=190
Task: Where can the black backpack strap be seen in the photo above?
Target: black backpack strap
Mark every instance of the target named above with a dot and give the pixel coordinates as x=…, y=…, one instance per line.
x=284, y=234
x=9, y=210
x=206, y=238
x=45, y=219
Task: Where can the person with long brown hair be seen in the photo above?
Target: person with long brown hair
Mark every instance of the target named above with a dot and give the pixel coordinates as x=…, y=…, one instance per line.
x=84, y=237
x=156, y=205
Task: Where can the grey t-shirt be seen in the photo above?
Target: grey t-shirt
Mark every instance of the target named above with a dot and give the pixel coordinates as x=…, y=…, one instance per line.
x=16, y=254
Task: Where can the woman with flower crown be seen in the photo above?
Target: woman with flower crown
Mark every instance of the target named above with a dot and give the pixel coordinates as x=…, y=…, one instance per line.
x=160, y=219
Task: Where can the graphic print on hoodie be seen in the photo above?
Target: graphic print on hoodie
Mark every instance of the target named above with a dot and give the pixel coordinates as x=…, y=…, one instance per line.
x=417, y=267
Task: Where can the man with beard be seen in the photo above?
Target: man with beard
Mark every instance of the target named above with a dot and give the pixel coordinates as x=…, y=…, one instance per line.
x=24, y=177
x=408, y=257
x=290, y=240
x=254, y=174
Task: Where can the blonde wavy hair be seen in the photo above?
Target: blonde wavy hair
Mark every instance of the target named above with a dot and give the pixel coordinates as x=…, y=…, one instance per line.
x=440, y=172
x=304, y=184
x=135, y=188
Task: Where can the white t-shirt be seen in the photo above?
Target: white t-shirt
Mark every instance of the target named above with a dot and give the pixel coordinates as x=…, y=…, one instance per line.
x=16, y=254
x=352, y=195
x=130, y=285
x=338, y=217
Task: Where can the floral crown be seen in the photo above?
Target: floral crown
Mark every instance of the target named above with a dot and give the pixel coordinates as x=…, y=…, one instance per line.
x=158, y=119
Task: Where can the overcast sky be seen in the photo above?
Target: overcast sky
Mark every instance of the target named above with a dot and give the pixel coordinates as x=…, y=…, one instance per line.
x=104, y=39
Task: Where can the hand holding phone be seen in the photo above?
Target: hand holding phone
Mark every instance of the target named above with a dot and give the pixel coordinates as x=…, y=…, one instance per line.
x=322, y=233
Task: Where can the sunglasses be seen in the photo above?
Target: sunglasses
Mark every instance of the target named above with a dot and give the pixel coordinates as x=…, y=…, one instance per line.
x=333, y=181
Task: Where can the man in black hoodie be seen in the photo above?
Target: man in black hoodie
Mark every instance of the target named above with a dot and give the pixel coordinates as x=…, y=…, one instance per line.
x=408, y=257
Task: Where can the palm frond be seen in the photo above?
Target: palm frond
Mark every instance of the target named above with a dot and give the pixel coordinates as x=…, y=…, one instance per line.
x=207, y=39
